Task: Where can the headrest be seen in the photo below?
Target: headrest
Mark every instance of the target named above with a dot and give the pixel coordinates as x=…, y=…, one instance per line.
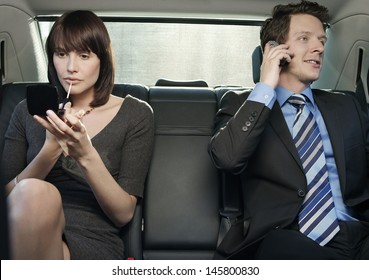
x=183, y=110
x=136, y=90
x=172, y=83
x=257, y=58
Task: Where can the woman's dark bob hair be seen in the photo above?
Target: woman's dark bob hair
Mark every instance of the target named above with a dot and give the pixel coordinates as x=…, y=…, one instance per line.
x=83, y=31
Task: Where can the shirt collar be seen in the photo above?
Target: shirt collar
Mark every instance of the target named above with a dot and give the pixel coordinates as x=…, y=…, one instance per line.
x=283, y=94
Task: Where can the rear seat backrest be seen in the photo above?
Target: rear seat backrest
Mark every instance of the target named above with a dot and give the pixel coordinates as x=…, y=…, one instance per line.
x=181, y=203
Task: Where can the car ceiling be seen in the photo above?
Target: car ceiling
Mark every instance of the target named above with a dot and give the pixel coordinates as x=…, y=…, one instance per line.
x=205, y=8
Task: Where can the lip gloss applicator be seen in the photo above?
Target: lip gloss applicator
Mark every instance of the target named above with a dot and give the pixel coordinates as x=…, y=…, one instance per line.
x=62, y=110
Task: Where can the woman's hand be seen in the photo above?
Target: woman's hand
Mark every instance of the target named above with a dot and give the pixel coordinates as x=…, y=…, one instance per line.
x=69, y=132
x=51, y=142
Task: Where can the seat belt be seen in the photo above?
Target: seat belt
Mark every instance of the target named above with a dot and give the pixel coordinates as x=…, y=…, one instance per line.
x=232, y=209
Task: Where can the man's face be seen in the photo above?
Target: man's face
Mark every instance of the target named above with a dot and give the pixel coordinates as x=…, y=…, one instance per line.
x=306, y=40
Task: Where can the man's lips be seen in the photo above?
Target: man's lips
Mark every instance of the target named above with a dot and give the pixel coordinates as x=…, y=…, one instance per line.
x=313, y=61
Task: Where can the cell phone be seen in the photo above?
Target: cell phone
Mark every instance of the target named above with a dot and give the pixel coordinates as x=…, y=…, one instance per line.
x=283, y=62
x=40, y=98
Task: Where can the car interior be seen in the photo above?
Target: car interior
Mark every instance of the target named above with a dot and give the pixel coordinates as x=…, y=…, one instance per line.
x=187, y=202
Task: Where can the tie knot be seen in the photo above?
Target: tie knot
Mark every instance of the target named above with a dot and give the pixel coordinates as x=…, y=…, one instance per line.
x=297, y=100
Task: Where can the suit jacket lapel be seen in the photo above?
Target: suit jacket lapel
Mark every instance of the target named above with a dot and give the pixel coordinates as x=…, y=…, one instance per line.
x=330, y=115
x=279, y=125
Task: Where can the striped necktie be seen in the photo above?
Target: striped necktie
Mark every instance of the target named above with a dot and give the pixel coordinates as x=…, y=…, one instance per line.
x=317, y=218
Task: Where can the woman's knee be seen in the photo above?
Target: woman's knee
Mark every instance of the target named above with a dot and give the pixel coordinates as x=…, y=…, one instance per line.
x=35, y=201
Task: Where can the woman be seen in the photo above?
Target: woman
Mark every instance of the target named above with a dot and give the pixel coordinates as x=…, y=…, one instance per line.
x=74, y=180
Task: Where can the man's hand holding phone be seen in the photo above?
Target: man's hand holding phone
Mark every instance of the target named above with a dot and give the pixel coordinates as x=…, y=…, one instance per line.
x=271, y=66
x=283, y=62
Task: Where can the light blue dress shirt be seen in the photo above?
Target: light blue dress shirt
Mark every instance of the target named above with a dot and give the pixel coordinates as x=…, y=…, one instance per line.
x=265, y=94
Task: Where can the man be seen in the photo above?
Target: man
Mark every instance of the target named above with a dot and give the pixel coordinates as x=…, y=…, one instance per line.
x=302, y=154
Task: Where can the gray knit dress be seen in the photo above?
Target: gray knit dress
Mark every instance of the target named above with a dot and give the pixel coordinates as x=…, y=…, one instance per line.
x=125, y=146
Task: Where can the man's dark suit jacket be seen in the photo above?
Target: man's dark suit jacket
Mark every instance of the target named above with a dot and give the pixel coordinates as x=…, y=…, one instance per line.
x=253, y=141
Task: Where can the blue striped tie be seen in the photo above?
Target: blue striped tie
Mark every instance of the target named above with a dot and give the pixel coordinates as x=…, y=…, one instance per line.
x=317, y=218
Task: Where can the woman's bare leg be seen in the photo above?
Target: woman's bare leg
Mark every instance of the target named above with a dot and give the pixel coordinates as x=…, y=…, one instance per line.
x=36, y=221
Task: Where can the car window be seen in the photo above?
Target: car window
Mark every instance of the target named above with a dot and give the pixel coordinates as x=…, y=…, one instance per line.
x=144, y=52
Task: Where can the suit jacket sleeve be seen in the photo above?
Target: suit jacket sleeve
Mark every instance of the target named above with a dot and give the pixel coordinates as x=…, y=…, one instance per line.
x=238, y=126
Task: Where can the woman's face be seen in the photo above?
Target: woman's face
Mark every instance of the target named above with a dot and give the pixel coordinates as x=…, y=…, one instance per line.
x=79, y=68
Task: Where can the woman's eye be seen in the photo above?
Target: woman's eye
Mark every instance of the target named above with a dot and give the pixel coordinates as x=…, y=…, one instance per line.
x=61, y=54
x=84, y=56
